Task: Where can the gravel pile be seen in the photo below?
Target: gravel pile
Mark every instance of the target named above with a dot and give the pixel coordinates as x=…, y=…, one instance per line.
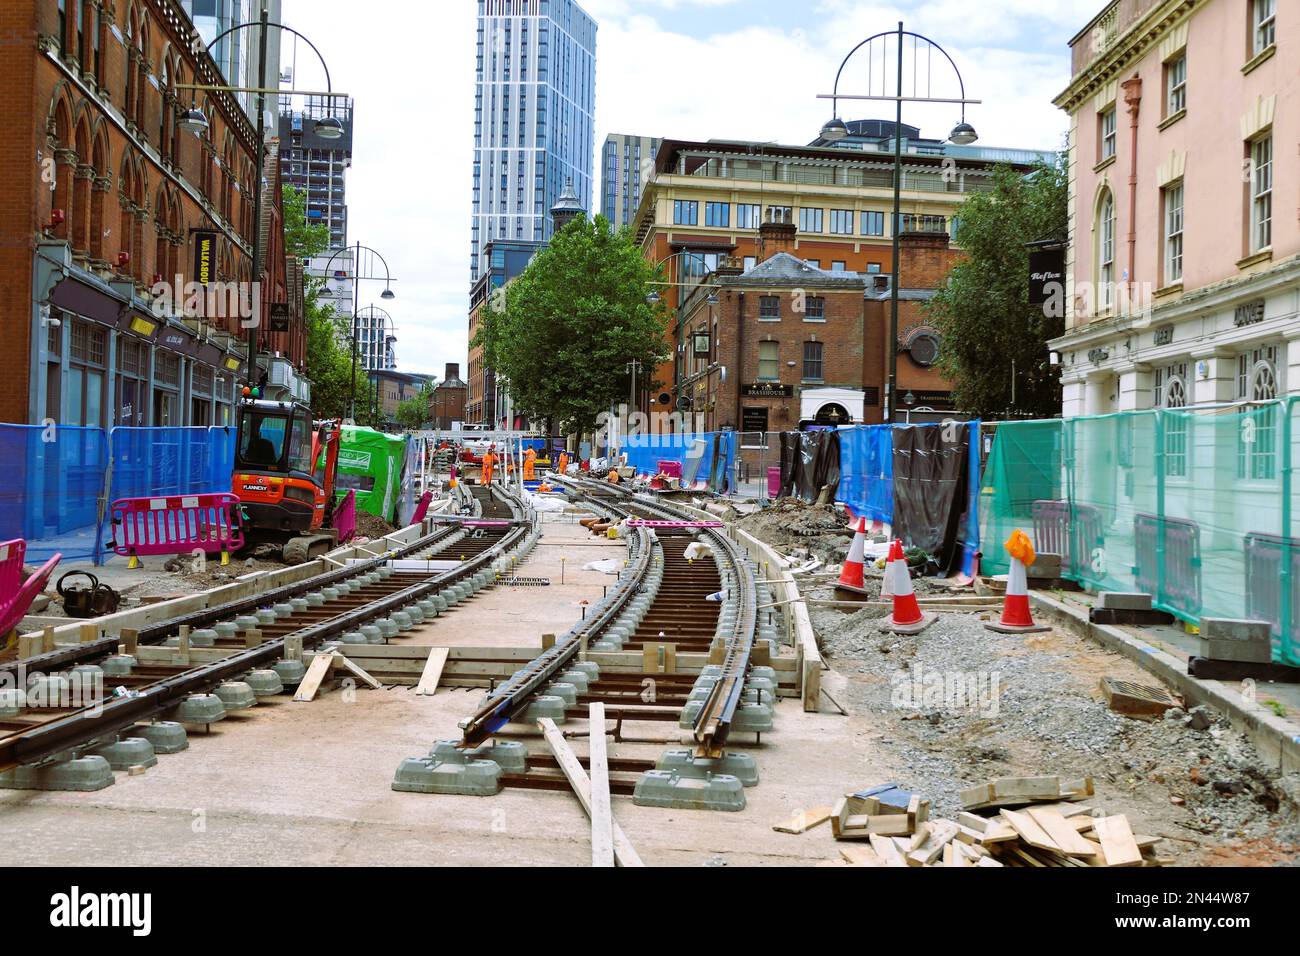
x=958, y=704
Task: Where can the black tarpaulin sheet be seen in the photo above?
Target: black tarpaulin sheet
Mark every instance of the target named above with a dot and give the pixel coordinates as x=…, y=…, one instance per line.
x=809, y=461
x=931, y=471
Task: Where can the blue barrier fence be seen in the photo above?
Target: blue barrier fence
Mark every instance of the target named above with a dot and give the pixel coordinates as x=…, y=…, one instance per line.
x=58, y=481
x=708, y=457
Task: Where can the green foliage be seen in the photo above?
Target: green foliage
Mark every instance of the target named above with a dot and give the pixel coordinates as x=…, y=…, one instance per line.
x=983, y=313
x=561, y=335
x=329, y=346
x=413, y=413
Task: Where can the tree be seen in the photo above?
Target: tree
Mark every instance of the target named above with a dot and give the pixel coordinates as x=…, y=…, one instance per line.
x=983, y=313
x=413, y=413
x=562, y=333
x=328, y=363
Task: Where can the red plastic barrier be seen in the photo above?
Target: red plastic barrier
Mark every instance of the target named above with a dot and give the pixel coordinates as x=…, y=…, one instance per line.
x=666, y=466
x=179, y=524
x=12, y=554
x=422, y=507
x=14, y=609
x=345, y=517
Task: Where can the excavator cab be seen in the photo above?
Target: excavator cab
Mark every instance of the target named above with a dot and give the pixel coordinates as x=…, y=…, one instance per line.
x=284, y=498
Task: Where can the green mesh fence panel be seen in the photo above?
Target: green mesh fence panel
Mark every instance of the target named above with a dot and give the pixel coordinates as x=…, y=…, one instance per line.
x=1195, y=506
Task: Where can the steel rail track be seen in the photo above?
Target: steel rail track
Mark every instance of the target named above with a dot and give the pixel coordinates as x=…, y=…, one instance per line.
x=713, y=724
x=60, y=735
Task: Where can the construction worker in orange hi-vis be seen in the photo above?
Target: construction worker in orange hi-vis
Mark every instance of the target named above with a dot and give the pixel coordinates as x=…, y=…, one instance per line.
x=530, y=463
x=613, y=476
x=564, y=462
x=489, y=462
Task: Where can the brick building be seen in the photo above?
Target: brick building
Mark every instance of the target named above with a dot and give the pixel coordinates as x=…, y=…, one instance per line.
x=447, y=403
x=788, y=344
x=710, y=202
x=105, y=200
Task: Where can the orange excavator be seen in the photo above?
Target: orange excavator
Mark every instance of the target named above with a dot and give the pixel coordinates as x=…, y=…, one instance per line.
x=285, y=470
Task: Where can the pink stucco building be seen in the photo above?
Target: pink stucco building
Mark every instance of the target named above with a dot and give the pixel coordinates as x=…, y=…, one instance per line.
x=1183, y=268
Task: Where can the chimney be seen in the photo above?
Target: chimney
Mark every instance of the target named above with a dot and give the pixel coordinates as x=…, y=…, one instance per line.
x=774, y=237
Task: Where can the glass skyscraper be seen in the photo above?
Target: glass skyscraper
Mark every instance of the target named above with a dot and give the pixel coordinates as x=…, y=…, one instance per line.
x=533, y=117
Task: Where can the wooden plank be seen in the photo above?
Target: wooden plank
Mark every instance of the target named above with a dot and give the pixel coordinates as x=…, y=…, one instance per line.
x=860, y=855
x=803, y=820
x=311, y=681
x=624, y=853
x=887, y=850
x=602, y=819
x=355, y=669
x=1029, y=830
x=428, y=685
x=1060, y=832
x=1118, y=847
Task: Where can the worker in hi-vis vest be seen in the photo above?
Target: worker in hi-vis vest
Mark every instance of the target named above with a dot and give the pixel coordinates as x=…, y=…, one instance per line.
x=489, y=462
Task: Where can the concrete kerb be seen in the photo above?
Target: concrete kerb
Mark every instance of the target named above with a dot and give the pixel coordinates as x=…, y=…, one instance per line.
x=1276, y=738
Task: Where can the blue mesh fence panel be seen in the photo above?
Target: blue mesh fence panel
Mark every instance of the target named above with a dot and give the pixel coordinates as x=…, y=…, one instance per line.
x=51, y=488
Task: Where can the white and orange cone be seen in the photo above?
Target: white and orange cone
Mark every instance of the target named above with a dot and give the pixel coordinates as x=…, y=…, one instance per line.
x=851, y=577
x=908, y=618
x=1016, y=618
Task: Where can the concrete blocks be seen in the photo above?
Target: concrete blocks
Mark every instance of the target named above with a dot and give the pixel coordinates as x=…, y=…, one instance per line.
x=1123, y=601
x=82, y=774
x=236, y=695
x=353, y=637
x=1046, y=565
x=372, y=634
x=388, y=627
x=127, y=752
x=314, y=598
x=690, y=711
x=590, y=668
x=415, y=613
x=448, y=770
x=330, y=593
x=200, y=709
x=578, y=679
x=298, y=605
x=244, y=621
x=567, y=692
x=166, y=736
x=283, y=609
x=752, y=717
x=429, y=606
x=402, y=620
x=1244, y=641
x=225, y=629
x=739, y=765
x=545, y=705
x=670, y=788
x=291, y=673
x=265, y=615
x=12, y=701
x=264, y=683
x=510, y=755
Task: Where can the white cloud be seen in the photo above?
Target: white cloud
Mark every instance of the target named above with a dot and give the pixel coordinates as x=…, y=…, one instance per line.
x=686, y=69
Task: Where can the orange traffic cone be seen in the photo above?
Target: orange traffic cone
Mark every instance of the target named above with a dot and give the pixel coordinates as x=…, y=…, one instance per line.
x=1016, y=618
x=851, y=574
x=908, y=617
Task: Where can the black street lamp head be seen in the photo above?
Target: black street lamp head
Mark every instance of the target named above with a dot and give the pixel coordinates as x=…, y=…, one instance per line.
x=329, y=128
x=194, y=121
x=652, y=297
x=388, y=294
x=834, y=130
x=963, y=134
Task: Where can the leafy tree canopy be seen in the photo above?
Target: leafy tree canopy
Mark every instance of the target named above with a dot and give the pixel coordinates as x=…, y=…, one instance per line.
x=562, y=333
x=983, y=313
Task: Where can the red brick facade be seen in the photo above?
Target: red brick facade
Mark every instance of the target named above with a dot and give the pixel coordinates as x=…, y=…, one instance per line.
x=89, y=127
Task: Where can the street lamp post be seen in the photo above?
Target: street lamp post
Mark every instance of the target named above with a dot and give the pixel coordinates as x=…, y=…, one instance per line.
x=962, y=134
x=357, y=278
x=653, y=296
x=195, y=121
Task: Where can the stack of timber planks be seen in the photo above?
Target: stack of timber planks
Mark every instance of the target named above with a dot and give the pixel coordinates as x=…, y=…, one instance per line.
x=1009, y=821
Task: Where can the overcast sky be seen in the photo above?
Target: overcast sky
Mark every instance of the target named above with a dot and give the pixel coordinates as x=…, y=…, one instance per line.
x=683, y=69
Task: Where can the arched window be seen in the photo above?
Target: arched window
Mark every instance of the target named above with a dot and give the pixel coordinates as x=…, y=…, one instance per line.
x=79, y=215
x=1105, y=271
x=99, y=187
x=161, y=244
x=165, y=114
x=227, y=177
x=1257, y=440
x=126, y=216
x=62, y=169
x=1171, y=393
x=128, y=87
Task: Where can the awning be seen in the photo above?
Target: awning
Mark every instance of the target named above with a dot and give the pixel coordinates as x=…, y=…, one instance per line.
x=73, y=295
